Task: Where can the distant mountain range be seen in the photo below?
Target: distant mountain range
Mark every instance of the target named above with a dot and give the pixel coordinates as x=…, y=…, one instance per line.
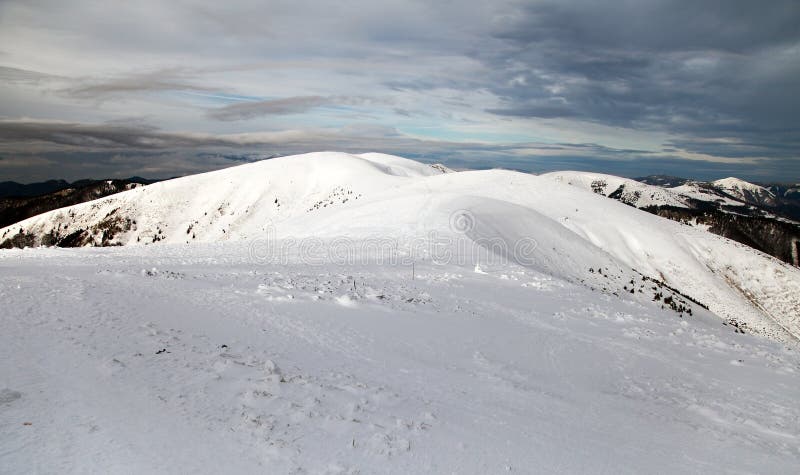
x=667, y=181
x=19, y=202
x=744, y=212
x=780, y=198
x=12, y=189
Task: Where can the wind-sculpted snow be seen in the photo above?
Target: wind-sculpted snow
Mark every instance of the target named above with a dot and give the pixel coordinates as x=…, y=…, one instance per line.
x=328, y=206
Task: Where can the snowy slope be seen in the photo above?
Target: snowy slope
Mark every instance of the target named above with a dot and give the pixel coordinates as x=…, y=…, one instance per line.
x=234, y=203
x=707, y=192
x=728, y=191
x=628, y=191
x=745, y=191
x=201, y=359
x=331, y=195
x=735, y=281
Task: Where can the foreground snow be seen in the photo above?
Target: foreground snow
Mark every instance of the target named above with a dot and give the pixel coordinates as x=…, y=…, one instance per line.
x=205, y=359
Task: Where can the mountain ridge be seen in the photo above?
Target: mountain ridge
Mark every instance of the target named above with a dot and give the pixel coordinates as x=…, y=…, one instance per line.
x=746, y=218
x=13, y=189
x=609, y=246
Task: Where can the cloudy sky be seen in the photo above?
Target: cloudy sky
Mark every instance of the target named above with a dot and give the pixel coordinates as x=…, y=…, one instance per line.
x=100, y=88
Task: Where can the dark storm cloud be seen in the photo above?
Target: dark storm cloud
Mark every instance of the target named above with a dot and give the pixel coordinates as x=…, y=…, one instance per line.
x=699, y=68
x=657, y=25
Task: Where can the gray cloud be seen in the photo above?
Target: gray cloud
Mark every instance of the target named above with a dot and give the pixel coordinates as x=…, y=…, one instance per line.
x=93, y=88
x=10, y=74
x=37, y=148
x=174, y=79
x=49, y=136
x=707, y=69
x=18, y=133
x=289, y=105
x=656, y=25
x=113, y=150
x=711, y=77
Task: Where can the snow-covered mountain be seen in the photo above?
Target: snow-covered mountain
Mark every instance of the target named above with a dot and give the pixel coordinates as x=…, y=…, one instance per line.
x=17, y=208
x=728, y=192
x=631, y=192
x=745, y=191
x=708, y=192
x=705, y=205
x=785, y=191
x=332, y=195
x=340, y=314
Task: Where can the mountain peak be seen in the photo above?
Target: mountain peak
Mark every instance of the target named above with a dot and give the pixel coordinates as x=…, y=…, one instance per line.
x=748, y=192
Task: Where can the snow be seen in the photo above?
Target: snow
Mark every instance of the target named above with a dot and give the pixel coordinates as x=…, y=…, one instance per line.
x=704, y=192
x=745, y=191
x=640, y=195
x=335, y=313
x=173, y=359
x=736, y=184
